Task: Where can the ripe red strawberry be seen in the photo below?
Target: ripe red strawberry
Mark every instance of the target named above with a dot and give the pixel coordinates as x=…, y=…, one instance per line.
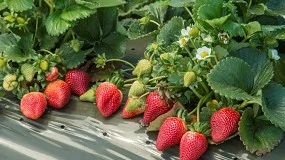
x=108, y=98
x=58, y=93
x=170, y=133
x=155, y=106
x=33, y=105
x=224, y=123
x=53, y=74
x=133, y=107
x=192, y=145
x=78, y=80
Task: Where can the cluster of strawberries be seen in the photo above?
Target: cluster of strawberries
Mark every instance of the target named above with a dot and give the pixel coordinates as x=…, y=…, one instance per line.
x=108, y=98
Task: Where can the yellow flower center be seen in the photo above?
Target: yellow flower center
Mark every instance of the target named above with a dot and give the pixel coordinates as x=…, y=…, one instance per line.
x=183, y=41
x=204, y=54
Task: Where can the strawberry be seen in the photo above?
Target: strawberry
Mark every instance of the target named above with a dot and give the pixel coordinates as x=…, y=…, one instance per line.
x=33, y=105
x=133, y=107
x=53, y=74
x=155, y=106
x=28, y=71
x=192, y=145
x=10, y=82
x=224, y=123
x=78, y=81
x=89, y=95
x=189, y=78
x=58, y=93
x=144, y=66
x=137, y=89
x=170, y=133
x=44, y=65
x=108, y=98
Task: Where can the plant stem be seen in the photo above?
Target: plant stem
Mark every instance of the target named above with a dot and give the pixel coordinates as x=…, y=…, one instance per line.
x=196, y=93
x=146, y=93
x=47, y=51
x=205, y=86
x=152, y=21
x=120, y=60
x=243, y=104
x=67, y=35
x=36, y=29
x=131, y=79
x=190, y=55
x=50, y=3
x=157, y=78
x=190, y=13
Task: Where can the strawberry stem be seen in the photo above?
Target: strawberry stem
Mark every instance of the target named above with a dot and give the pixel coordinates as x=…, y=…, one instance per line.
x=130, y=80
x=120, y=60
x=157, y=78
x=145, y=94
x=243, y=105
x=196, y=93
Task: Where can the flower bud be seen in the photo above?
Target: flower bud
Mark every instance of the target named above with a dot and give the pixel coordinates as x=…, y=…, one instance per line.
x=189, y=78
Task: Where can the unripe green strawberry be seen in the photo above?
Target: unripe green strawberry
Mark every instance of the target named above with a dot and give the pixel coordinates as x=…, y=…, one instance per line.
x=28, y=71
x=9, y=18
x=21, y=20
x=44, y=65
x=10, y=82
x=133, y=107
x=189, y=78
x=144, y=20
x=143, y=67
x=137, y=89
x=194, y=32
x=2, y=62
x=89, y=95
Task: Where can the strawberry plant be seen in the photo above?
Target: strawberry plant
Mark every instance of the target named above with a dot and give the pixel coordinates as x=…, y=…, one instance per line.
x=222, y=60
x=36, y=36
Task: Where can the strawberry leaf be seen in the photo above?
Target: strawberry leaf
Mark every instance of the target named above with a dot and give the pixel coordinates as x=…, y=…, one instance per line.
x=70, y=58
x=137, y=30
x=19, y=5
x=55, y=25
x=170, y=31
x=74, y=12
x=232, y=78
x=279, y=74
x=7, y=40
x=257, y=133
x=181, y=3
x=273, y=106
x=261, y=66
x=15, y=53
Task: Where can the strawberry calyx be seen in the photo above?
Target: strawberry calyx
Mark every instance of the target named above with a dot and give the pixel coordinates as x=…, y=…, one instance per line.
x=200, y=127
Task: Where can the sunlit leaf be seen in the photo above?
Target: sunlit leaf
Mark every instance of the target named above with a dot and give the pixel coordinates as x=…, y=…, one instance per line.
x=181, y=3
x=75, y=11
x=55, y=25
x=19, y=5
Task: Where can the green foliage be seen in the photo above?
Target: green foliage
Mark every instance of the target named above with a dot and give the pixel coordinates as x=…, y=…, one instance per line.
x=258, y=135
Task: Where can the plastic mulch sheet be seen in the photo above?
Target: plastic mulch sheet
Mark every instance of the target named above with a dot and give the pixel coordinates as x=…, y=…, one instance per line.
x=79, y=132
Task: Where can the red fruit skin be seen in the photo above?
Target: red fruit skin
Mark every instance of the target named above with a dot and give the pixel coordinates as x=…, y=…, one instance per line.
x=155, y=106
x=58, y=93
x=192, y=145
x=224, y=123
x=53, y=74
x=33, y=105
x=108, y=98
x=170, y=133
x=78, y=80
x=129, y=114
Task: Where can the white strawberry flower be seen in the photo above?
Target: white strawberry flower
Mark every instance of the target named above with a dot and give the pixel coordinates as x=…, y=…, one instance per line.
x=186, y=31
x=203, y=53
x=182, y=42
x=207, y=38
x=274, y=54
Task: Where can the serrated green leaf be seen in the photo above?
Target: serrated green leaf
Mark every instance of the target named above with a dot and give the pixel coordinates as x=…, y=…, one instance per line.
x=55, y=25
x=277, y=6
x=210, y=11
x=233, y=28
x=46, y=41
x=273, y=105
x=114, y=45
x=15, y=53
x=235, y=46
x=252, y=27
x=88, y=29
x=137, y=30
x=19, y=5
x=260, y=65
x=232, y=78
x=257, y=9
x=158, y=10
x=175, y=78
x=279, y=74
x=259, y=136
x=108, y=19
x=130, y=6
x=170, y=31
x=7, y=40
x=218, y=21
x=181, y=3
x=74, y=12
x=220, y=52
x=70, y=58
x=93, y=4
